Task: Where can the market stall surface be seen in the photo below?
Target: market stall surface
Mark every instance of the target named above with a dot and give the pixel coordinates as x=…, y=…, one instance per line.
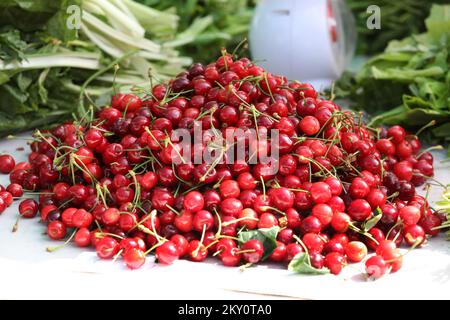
x=28, y=271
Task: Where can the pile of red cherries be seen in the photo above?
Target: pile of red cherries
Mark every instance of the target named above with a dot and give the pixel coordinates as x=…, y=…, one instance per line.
x=108, y=180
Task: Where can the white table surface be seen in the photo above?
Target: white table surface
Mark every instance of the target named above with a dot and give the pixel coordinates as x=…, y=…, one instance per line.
x=28, y=271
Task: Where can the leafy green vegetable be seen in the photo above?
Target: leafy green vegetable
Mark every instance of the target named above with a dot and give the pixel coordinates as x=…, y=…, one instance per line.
x=46, y=67
x=398, y=19
x=302, y=264
x=228, y=22
x=438, y=20
x=409, y=83
x=267, y=236
x=26, y=15
x=12, y=47
x=444, y=206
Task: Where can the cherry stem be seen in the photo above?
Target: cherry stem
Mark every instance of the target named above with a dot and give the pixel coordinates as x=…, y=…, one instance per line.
x=265, y=208
x=438, y=147
x=175, y=149
x=39, y=134
x=415, y=245
x=38, y=193
x=321, y=167
x=398, y=223
x=154, y=247
x=193, y=188
x=227, y=223
x=98, y=188
x=195, y=253
x=53, y=249
x=104, y=234
x=364, y=233
x=394, y=195
x=245, y=251
x=300, y=242
x=432, y=179
x=239, y=45
x=211, y=244
x=219, y=220
x=428, y=125
x=268, y=87
x=211, y=167
x=16, y=225
x=245, y=266
x=137, y=188
x=263, y=186
x=117, y=255
x=153, y=137
x=224, y=53
x=298, y=190
x=173, y=209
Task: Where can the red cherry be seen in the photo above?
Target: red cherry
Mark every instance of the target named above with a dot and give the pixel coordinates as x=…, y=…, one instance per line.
x=28, y=208
x=356, y=251
x=335, y=262
x=56, y=230
x=167, y=253
x=229, y=189
x=359, y=210
x=282, y=198
x=203, y=220
x=410, y=215
x=134, y=258
x=414, y=235
x=320, y=192
x=231, y=207
x=249, y=218
x=309, y=125
x=292, y=249
x=181, y=244
x=82, y=237
x=376, y=267
x=324, y=213
x=197, y=251
x=252, y=251
x=7, y=164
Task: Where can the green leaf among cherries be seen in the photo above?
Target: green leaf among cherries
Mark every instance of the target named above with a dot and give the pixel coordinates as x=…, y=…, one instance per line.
x=302, y=264
x=372, y=222
x=267, y=236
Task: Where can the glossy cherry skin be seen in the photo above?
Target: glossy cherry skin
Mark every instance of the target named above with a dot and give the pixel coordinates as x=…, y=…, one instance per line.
x=167, y=253
x=252, y=251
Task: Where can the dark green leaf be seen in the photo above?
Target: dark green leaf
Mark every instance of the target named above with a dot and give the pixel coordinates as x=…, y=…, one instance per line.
x=372, y=222
x=10, y=124
x=23, y=81
x=57, y=28
x=34, y=5
x=12, y=47
x=27, y=15
x=267, y=236
x=442, y=131
x=302, y=264
x=413, y=118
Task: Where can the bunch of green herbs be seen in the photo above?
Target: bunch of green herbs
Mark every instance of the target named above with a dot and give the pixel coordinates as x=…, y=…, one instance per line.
x=51, y=64
x=409, y=83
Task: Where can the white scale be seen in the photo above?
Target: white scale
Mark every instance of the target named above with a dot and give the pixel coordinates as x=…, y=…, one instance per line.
x=306, y=40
